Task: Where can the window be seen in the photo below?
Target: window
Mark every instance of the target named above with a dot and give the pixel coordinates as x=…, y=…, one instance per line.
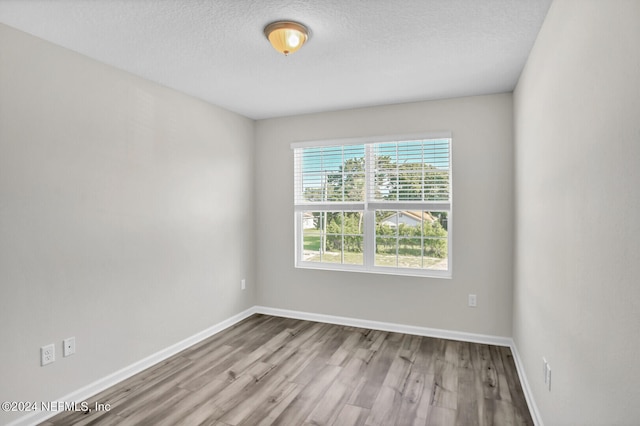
x=374, y=206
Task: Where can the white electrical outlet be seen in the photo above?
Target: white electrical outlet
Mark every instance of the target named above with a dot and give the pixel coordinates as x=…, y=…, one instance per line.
x=47, y=354
x=473, y=301
x=243, y=284
x=547, y=377
x=546, y=373
x=69, y=346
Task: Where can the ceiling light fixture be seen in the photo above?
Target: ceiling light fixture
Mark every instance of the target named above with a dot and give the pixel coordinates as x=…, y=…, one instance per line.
x=286, y=36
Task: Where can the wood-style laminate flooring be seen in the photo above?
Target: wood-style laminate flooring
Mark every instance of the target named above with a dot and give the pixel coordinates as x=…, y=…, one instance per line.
x=269, y=370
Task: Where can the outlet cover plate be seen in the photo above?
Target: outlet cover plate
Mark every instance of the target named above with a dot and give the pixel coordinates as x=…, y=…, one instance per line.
x=473, y=301
x=47, y=354
x=69, y=346
x=547, y=377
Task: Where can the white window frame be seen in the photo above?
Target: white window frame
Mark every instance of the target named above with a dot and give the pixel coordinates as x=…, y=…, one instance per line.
x=369, y=207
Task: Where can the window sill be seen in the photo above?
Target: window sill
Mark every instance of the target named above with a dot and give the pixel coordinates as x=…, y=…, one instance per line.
x=405, y=272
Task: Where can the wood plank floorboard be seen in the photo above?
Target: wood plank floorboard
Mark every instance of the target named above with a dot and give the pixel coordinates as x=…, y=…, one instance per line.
x=269, y=370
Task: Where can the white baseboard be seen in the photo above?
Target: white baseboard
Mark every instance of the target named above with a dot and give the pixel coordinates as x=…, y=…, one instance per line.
x=387, y=326
x=92, y=389
x=533, y=408
x=98, y=386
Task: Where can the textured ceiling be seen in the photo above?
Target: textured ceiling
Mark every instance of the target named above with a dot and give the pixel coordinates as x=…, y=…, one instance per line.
x=361, y=53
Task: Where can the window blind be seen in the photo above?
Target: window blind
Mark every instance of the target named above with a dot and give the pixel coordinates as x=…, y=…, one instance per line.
x=380, y=173
x=329, y=174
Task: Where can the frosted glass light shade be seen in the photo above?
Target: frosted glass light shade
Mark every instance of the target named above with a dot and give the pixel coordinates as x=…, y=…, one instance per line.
x=286, y=36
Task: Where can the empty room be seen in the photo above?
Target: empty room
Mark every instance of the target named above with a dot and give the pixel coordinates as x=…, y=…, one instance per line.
x=421, y=212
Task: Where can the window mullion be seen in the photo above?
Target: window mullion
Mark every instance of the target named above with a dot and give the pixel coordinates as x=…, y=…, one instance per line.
x=369, y=237
x=343, y=177
x=343, y=218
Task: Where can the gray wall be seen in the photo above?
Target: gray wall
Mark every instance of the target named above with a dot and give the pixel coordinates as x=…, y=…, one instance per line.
x=482, y=216
x=126, y=214
x=577, y=292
